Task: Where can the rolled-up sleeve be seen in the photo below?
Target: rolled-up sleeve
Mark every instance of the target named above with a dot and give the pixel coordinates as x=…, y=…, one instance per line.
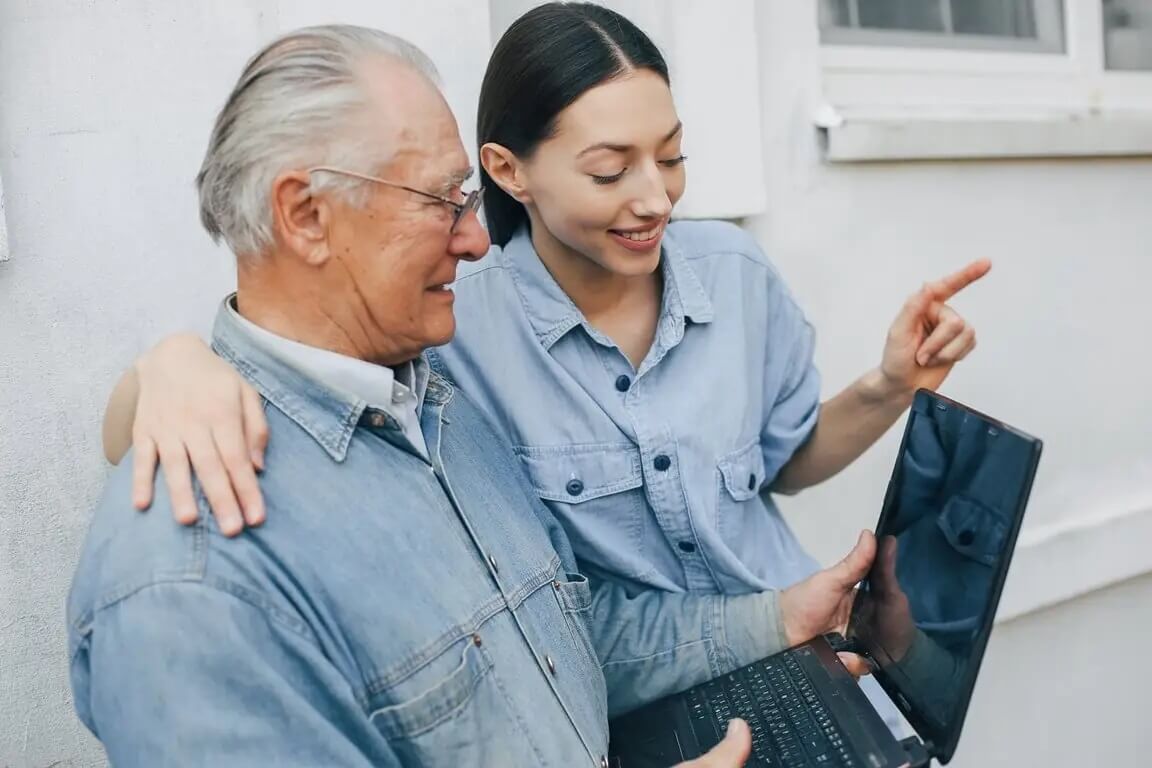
x=794, y=397
x=652, y=644
x=182, y=673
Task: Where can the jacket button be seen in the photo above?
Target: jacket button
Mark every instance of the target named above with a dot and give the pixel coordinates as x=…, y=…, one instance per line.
x=966, y=538
x=662, y=463
x=603, y=761
x=622, y=383
x=377, y=419
x=574, y=487
x=752, y=482
x=492, y=562
x=551, y=665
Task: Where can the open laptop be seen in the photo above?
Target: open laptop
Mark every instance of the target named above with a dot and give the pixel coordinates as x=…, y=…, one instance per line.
x=921, y=618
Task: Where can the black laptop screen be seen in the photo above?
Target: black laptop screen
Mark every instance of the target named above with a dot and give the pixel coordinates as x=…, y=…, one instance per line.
x=945, y=536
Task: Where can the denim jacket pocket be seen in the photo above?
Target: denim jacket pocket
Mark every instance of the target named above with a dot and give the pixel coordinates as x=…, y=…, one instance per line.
x=742, y=472
x=437, y=697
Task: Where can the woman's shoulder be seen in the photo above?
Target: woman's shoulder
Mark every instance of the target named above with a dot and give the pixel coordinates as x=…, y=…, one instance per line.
x=492, y=262
x=711, y=238
x=723, y=255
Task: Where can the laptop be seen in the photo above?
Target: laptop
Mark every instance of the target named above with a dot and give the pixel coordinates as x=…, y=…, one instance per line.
x=921, y=619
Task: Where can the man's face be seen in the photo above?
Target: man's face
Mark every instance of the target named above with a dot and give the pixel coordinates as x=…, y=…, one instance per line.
x=398, y=249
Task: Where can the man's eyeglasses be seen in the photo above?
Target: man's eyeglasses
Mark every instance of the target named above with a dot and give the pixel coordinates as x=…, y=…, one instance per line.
x=471, y=202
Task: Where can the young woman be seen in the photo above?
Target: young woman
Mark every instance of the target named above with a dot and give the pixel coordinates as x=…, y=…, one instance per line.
x=654, y=377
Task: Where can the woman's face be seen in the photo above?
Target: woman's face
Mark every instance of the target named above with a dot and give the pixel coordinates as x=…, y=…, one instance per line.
x=604, y=185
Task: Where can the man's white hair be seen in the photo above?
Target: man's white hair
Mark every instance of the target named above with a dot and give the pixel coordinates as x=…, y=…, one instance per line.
x=292, y=108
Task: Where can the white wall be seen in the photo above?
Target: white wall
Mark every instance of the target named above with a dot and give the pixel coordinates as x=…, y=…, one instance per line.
x=1063, y=337
x=105, y=109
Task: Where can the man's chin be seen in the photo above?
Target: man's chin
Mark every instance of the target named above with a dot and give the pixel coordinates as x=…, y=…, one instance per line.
x=441, y=335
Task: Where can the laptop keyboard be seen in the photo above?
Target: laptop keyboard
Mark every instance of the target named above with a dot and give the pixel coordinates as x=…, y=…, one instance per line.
x=790, y=725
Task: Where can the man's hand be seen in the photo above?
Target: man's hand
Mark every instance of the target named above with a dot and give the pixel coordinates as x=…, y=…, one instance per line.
x=822, y=602
x=892, y=622
x=730, y=753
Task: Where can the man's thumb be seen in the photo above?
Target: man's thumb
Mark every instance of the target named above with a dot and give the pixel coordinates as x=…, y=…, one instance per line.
x=733, y=751
x=854, y=567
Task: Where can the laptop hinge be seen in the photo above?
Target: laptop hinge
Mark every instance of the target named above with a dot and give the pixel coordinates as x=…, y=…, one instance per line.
x=918, y=753
x=841, y=644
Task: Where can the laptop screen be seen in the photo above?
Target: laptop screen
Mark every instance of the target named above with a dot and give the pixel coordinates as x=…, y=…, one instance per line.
x=945, y=536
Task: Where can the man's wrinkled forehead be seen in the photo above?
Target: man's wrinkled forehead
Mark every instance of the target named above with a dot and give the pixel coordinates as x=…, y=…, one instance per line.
x=412, y=113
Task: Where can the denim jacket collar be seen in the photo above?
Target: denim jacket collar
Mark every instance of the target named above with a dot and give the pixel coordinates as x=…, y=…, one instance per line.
x=552, y=313
x=328, y=416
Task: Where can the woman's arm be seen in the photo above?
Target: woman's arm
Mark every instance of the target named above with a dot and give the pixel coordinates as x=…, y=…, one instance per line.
x=120, y=415
x=926, y=340
x=183, y=407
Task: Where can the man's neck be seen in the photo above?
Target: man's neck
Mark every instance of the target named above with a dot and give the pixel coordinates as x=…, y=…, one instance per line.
x=300, y=310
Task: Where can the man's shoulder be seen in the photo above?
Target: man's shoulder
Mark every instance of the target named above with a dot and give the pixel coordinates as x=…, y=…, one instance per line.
x=127, y=551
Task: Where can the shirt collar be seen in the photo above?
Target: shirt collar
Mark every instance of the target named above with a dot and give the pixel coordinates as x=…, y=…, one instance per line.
x=325, y=393
x=552, y=313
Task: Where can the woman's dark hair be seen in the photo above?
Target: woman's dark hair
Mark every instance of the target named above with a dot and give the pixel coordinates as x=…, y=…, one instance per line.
x=545, y=61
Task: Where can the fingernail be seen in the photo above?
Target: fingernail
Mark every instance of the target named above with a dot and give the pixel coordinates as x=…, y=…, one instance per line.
x=258, y=459
x=736, y=726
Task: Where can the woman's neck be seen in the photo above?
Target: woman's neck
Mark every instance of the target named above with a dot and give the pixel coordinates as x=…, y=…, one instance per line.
x=625, y=308
x=596, y=291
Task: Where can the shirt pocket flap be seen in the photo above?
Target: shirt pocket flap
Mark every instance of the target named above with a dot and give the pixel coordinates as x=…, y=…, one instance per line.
x=578, y=473
x=974, y=530
x=743, y=471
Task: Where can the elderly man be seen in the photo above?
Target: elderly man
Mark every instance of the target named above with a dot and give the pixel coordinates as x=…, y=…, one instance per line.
x=409, y=601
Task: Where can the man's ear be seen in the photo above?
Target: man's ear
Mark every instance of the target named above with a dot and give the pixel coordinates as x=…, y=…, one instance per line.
x=300, y=218
x=506, y=170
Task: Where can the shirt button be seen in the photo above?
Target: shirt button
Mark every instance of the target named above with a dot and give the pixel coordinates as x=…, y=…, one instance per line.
x=622, y=383
x=492, y=562
x=966, y=538
x=687, y=546
x=377, y=419
x=574, y=487
x=551, y=665
x=603, y=761
x=662, y=463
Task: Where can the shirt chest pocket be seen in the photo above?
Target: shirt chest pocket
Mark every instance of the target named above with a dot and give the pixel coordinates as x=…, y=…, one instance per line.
x=741, y=475
x=440, y=714
x=596, y=491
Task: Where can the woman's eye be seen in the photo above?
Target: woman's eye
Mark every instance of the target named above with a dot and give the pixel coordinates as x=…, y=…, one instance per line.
x=608, y=179
x=674, y=161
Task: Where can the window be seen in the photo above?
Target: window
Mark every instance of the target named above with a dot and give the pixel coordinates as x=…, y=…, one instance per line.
x=1128, y=34
x=1012, y=25
x=920, y=79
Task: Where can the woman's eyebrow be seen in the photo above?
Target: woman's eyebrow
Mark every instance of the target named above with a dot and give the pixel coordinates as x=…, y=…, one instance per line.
x=614, y=147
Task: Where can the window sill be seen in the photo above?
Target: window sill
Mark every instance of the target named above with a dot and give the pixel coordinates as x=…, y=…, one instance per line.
x=907, y=137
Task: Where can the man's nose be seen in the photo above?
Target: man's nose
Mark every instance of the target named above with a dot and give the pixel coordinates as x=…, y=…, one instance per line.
x=470, y=241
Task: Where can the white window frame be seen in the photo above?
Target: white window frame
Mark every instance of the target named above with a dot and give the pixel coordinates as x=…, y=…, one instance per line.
x=923, y=103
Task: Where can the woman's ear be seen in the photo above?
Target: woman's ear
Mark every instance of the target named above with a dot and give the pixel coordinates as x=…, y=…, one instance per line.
x=300, y=218
x=506, y=170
